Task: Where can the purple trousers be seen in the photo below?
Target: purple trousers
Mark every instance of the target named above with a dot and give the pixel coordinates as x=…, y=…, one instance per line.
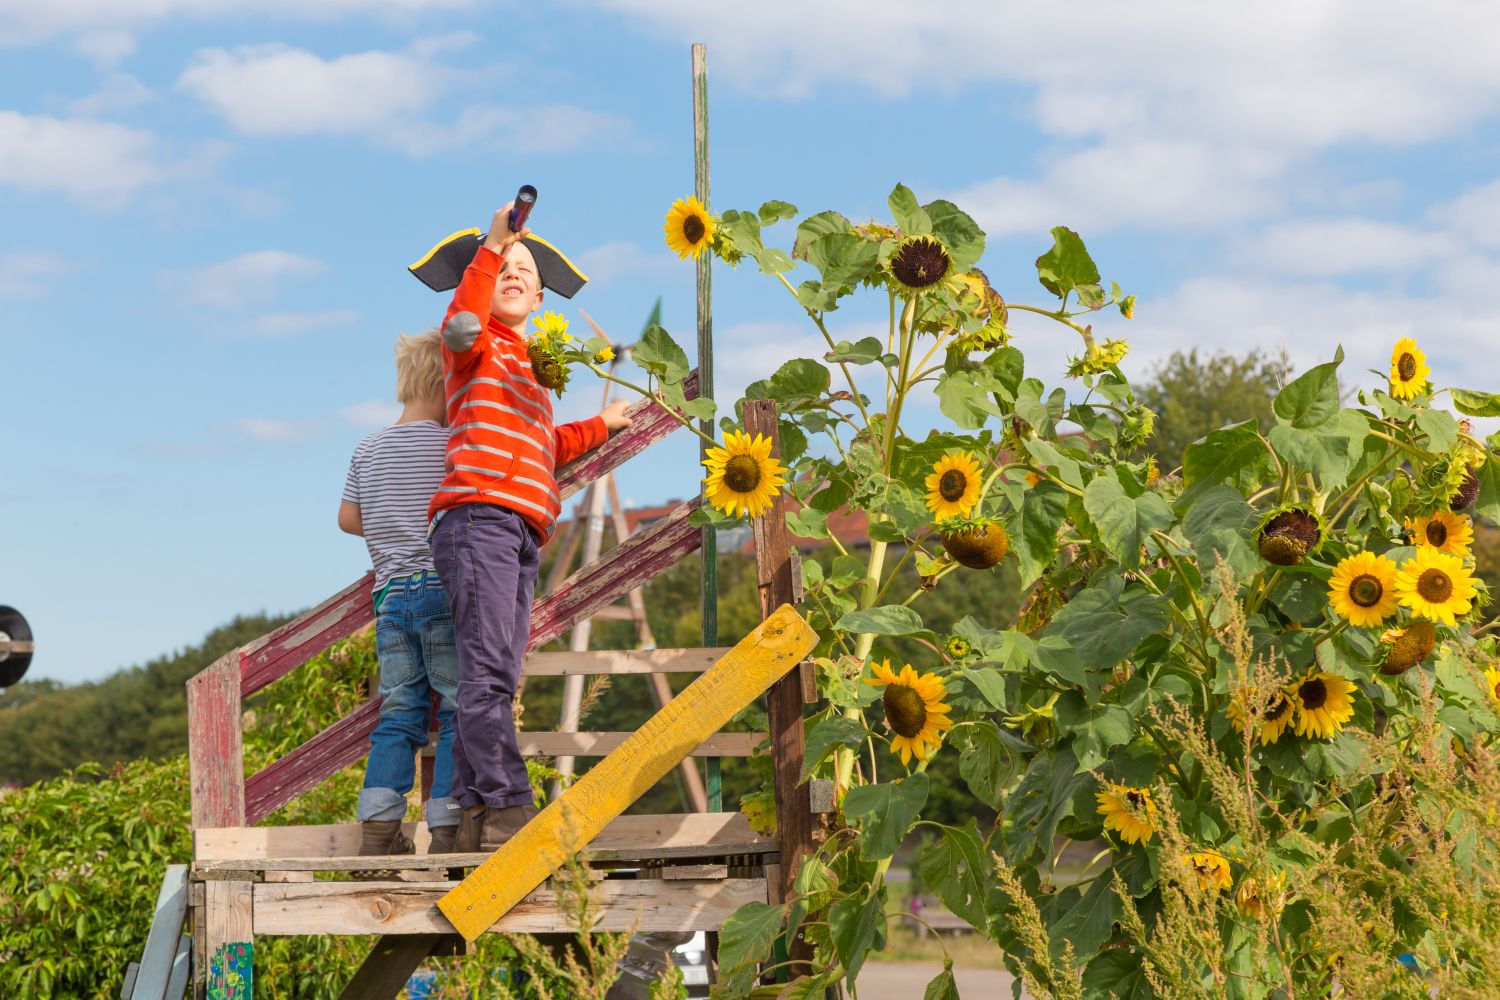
x=486, y=556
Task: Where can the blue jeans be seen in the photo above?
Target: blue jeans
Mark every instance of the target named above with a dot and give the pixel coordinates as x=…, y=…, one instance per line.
x=414, y=641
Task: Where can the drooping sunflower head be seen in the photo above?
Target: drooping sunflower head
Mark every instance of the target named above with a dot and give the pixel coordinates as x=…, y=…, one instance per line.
x=1128, y=811
x=549, y=370
x=980, y=544
x=914, y=709
x=1361, y=591
x=957, y=647
x=953, y=485
x=1468, y=491
x=1269, y=709
x=742, y=477
x=1409, y=369
x=1407, y=647
x=1436, y=585
x=1288, y=536
x=919, y=263
x=1323, y=703
x=1262, y=894
x=689, y=228
x=1442, y=530
x=1212, y=870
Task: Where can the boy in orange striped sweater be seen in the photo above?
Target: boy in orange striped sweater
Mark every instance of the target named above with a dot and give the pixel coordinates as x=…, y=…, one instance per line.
x=497, y=505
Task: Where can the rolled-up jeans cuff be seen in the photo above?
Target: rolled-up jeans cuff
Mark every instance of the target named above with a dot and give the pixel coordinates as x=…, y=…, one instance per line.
x=443, y=812
x=381, y=804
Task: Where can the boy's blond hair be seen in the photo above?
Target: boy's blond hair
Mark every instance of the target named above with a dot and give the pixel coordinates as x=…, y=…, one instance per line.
x=419, y=367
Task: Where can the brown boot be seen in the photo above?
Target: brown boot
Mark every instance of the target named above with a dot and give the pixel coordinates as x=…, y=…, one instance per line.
x=380, y=837
x=444, y=839
x=502, y=824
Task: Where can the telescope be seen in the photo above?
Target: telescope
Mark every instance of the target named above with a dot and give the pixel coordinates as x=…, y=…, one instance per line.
x=15, y=646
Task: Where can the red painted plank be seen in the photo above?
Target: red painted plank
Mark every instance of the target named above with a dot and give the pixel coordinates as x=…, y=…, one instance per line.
x=651, y=424
x=293, y=644
x=625, y=567
x=216, y=763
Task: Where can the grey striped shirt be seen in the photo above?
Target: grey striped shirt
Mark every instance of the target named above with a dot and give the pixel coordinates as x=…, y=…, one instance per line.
x=392, y=477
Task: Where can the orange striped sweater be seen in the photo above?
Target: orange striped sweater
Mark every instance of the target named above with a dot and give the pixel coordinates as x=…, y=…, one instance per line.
x=502, y=446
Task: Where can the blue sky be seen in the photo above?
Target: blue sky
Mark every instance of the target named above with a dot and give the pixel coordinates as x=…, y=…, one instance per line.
x=208, y=206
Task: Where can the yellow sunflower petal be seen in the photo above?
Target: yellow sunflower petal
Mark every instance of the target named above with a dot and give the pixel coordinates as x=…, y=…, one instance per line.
x=1361, y=589
x=1409, y=369
x=1442, y=530
x=953, y=485
x=689, y=228
x=1436, y=585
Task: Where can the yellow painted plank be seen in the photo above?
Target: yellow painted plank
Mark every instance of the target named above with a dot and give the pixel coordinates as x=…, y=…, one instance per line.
x=777, y=645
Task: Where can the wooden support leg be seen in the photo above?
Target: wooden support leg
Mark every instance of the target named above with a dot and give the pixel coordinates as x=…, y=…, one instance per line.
x=389, y=965
x=229, y=940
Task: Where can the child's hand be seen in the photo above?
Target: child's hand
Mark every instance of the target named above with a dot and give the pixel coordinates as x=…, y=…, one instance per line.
x=614, y=415
x=500, y=235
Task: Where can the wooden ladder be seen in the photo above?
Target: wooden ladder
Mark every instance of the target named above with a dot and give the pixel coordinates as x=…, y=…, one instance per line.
x=675, y=872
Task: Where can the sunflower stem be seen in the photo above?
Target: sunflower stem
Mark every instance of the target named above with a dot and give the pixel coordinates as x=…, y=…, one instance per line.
x=654, y=398
x=1164, y=541
x=843, y=366
x=1060, y=316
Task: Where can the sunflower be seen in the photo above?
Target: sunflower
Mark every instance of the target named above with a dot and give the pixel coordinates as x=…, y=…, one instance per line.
x=1492, y=682
x=1323, y=702
x=914, y=709
x=1409, y=369
x=1288, y=536
x=552, y=327
x=953, y=485
x=1212, y=870
x=742, y=476
x=1360, y=589
x=957, y=647
x=1467, y=492
x=1408, y=646
x=1436, y=585
x=689, y=227
x=1263, y=894
x=604, y=354
x=1444, y=531
x=979, y=544
x=1272, y=711
x=919, y=263
x=1129, y=811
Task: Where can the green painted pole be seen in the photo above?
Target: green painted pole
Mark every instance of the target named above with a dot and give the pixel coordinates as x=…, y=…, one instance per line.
x=710, y=548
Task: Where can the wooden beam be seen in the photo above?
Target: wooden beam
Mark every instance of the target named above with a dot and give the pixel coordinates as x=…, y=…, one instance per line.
x=775, y=646
x=216, y=761
x=773, y=570
x=409, y=907
x=229, y=940
x=158, y=958
x=299, y=640
x=388, y=966
x=644, y=555
x=540, y=744
x=649, y=424
x=649, y=836
x=622, y=661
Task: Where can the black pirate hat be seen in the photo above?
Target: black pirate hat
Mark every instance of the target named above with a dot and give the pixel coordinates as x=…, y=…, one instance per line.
x=441, y=267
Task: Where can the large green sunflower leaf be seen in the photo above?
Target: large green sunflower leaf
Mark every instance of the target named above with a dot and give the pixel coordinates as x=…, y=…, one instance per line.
x=1067, y=265
x=774, y=211
x=843, y=259
x=887, y=619
x=815, y=226
x=944, y=987
x=1116, y=974
x=1084, y=919
x=1235, y=455
x=957, y=868
x=1488, y=504
x=798, y=383
x=1033, y=529
x=910, y=217
x=1103, y=623
x=1475, y=403
x=856, y=926
x=959, y=233
x=1330, y=451
x=988, y=763
x=1312, y=398
x=888, y=811
x=744, y=942
x=827, y=736
x=867, y=351
x=1095, y=730
x=1218, y=526
x=660, y=355
x=1124, y=522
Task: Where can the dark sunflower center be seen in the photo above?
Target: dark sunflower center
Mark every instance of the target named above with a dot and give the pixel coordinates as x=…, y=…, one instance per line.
x=1313, y=694
x=1136, y=800
x=1406, y=367
x=693, y=228
x=1366, y=590
x=742, y=473
x=952, y=485
x=1434, y=585
x=905, y=712
x=1437, y=533
x=920, y=263
x=1277, y=708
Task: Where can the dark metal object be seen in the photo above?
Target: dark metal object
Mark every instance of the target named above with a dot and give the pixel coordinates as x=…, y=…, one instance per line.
x=525, y=201
x=15, y=646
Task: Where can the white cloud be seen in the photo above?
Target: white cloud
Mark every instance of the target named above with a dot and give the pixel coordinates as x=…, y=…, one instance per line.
x=91, y=160
x=249, y=279
x=1475, y=214
x=288, y=323
x=278, y=431
x=545, y=128
x=268, y=90
x=372, y=414
x=118, y=92
x=1329, y=247
x=106, y=49
x=28, y=274
x=620, y=259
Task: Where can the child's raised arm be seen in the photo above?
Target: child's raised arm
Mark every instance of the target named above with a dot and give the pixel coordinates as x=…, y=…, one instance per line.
x=477, y=287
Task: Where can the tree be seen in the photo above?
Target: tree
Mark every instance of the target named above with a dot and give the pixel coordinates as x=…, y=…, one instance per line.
x=1193, y=394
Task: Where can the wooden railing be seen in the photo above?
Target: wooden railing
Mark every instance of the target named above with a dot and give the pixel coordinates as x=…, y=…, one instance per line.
x=221, y=794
